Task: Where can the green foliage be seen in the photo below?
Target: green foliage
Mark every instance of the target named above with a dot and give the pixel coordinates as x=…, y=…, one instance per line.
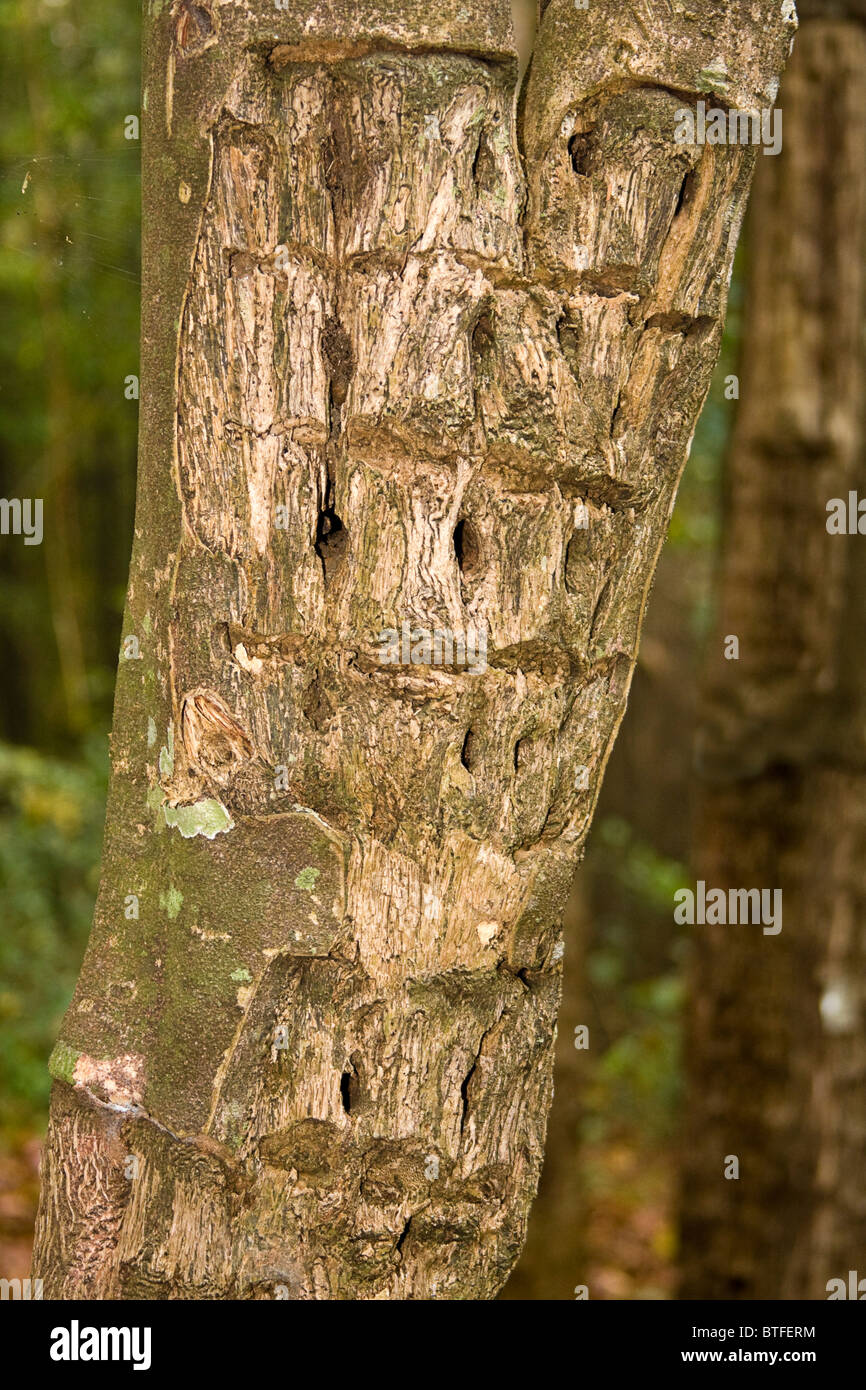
x=640, y=871
x=69, y=284
x=51, y=815
x=635, y=984
x=637, y=1083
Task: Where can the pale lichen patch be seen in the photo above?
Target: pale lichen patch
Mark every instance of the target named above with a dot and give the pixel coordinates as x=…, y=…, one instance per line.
x=306, y=879
x=117, y=1080
x=171, y=902
x=166, y=754
x=208, y=818
x=713, y=78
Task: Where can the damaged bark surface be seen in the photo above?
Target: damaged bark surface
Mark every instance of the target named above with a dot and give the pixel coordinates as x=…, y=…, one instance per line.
x=415, y=354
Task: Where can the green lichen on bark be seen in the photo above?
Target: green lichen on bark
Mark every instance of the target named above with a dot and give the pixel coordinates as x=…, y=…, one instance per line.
x=61, y=1063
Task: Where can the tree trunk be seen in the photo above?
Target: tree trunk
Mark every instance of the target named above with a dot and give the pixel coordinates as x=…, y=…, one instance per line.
x=776, y=1044
x=408, y=358
x=553, y=1259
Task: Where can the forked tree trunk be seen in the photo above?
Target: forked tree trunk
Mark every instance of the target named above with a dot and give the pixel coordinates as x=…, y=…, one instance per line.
x=776, y=1044
x=405, y=361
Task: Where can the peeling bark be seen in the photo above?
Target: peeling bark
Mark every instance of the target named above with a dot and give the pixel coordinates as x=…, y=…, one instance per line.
x=413, y=355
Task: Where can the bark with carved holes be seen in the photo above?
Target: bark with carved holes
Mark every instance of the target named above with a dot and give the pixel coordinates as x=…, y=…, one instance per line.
x=414, y=353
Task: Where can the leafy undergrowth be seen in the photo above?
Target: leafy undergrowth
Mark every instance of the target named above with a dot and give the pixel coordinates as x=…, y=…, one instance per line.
x=51, y=815
x=632, y=1094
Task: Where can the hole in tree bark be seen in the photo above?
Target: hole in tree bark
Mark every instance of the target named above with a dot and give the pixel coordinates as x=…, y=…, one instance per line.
x=401, y=1240
x=467, y=548
x=484, y=166
x=350, y=1087
x=687, y=191
x=339, y=360
x=464, y=1093
x=346, y=1091
x=331, y=535
x=580, y=151
x=483, y=336
x=469, y=751
x=330, y=538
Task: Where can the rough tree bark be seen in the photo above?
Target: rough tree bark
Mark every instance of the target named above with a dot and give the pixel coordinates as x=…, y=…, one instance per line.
x=776, y=1043
x=410, y=354
x=552, y=1261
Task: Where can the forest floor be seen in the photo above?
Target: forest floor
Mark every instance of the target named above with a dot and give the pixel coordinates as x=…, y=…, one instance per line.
x=631, y=1229
x=19, y=1194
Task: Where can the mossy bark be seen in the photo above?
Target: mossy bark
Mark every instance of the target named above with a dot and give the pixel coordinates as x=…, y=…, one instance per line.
x=776, y=1044
x=413, y=353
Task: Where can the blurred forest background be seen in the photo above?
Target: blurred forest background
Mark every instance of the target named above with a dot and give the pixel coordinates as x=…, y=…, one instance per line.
x=69, y=281
x=69, y=246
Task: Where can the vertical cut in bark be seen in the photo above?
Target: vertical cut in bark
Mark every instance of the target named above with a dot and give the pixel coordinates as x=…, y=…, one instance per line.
x=406, y=361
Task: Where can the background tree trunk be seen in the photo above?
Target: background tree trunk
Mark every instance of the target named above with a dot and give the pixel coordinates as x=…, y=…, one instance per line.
x=402, y=362
x=777, y=1047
